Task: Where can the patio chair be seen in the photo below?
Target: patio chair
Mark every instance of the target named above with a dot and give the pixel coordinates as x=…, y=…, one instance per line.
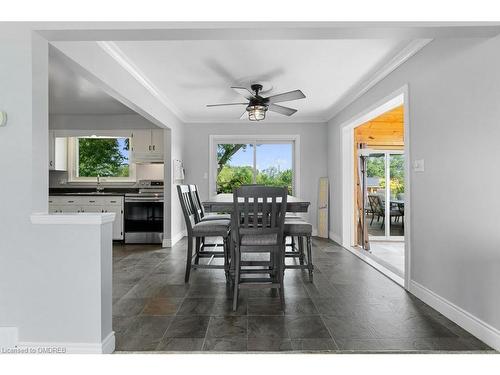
x=378, y=209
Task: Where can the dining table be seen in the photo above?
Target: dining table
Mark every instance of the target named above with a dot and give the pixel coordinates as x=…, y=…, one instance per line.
x=223, y=203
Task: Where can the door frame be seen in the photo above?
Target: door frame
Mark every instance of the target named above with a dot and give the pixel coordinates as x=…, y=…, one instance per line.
x=391, y=101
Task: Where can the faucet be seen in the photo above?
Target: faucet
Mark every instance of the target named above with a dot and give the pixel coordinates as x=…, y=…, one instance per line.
x=99, y=187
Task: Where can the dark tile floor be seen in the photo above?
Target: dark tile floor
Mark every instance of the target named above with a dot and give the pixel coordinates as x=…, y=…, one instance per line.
x=349, y=307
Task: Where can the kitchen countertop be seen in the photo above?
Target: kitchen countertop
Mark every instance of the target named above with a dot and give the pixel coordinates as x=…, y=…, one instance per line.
x=91, y=191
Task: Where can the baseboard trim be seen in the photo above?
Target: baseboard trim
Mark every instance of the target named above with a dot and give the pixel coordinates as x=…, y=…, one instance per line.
x=335, y=237
x=379, y=267
x=490, y=335
x=169, y=242
x=8, y=337
x=107, y=346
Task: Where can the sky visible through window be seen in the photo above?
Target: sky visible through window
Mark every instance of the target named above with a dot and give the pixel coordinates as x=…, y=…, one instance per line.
x=277, y=155
x=123, y=149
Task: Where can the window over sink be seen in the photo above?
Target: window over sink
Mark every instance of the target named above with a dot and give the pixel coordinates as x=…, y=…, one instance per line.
x=105, y=156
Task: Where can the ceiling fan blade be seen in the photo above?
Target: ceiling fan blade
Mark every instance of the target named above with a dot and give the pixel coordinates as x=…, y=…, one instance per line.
x=281, y=110
x=244, y=116
x=246, y=93
x=224, y=104
x=286, y=96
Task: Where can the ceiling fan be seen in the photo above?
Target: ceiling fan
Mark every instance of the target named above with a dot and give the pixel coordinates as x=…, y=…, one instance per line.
x=257, y=105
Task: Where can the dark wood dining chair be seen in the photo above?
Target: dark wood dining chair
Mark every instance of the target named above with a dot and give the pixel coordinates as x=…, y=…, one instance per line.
x=202, y=229
x=258, y=227
x=201, y=215
x=296, y=227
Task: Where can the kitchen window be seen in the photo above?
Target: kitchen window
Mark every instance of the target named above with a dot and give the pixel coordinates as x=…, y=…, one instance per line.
x=104, y=156
x=240, y=160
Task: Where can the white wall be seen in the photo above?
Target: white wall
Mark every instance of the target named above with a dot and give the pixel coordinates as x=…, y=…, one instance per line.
x=31, y=280
x=313, y=146
x=454, y=96
x=17, y=197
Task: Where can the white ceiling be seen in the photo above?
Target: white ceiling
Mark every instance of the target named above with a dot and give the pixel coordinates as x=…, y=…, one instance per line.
x=189, y=74
x=193, y=73
x=71, y=94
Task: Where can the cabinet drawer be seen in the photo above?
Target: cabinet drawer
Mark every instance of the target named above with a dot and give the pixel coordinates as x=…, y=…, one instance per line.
x=69, y=199
x=113, y=201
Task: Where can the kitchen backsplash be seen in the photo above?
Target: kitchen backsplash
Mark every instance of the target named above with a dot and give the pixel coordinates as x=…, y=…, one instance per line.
x=143, y=172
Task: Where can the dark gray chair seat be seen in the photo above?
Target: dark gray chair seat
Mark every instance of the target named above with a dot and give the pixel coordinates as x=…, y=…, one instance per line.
x=212, y=228
x=210, y=217
x=296, y=227
x=198, y=230
x=258, y=239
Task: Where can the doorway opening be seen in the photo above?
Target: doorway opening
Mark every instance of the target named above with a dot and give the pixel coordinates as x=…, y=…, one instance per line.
x=376, y=187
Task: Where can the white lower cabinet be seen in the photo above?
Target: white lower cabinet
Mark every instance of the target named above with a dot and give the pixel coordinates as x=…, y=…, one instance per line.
x=71, y=203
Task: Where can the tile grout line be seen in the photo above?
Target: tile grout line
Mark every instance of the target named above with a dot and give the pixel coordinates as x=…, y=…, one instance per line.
x=206, y=334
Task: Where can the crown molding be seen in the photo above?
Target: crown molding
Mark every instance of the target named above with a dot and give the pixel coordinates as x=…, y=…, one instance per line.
x=125, y=62
x=354, y=93
x=358, y=90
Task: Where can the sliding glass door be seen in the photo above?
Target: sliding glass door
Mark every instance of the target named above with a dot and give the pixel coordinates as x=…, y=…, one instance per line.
x=268, y=163
x=384, y=207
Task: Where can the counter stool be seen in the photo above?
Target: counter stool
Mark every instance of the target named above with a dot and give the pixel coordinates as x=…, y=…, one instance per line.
x=199, y=230
x=259, y=222
x=300, y=229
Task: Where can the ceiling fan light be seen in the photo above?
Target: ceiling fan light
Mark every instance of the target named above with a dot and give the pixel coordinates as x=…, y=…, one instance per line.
x=256, y=112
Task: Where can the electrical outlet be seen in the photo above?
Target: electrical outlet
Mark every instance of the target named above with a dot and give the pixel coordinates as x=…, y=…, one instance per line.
x=418, y=165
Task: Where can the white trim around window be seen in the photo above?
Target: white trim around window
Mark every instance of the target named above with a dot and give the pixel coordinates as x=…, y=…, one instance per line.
x=73, y=161
x=214, y=140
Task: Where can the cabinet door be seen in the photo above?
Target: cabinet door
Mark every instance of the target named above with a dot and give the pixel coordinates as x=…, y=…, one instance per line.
x=60, y=153
x=92, y=208
x=57, y=209
x=141, y=141
x=157, y=141
x=52, y=152
x=118, y=223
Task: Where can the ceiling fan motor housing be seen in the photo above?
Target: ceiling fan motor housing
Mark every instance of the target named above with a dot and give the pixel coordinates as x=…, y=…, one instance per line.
x=256, y=87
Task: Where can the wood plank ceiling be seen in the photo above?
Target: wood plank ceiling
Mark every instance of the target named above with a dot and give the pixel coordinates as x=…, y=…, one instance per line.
x=383, y=132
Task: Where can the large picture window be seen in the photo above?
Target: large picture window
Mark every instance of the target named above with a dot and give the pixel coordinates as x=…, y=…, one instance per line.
x=266, y=162
x=103, y=156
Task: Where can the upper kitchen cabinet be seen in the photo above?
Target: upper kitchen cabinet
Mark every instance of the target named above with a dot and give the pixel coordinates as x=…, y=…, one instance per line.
x=58, y=152
x=147, y=145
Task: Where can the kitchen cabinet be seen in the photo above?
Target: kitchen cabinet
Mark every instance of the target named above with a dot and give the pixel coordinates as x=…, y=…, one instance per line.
x=57, y=209
x=58, y=152
x=147, y=145
x=89, y=204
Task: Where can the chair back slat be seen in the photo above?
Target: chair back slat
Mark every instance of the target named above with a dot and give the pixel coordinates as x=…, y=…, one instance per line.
x=188, y=209
x=246, y=212
x=273, y=212
x=260, y=209
x=265, y=211
x=199, y=211
x=255, y=216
